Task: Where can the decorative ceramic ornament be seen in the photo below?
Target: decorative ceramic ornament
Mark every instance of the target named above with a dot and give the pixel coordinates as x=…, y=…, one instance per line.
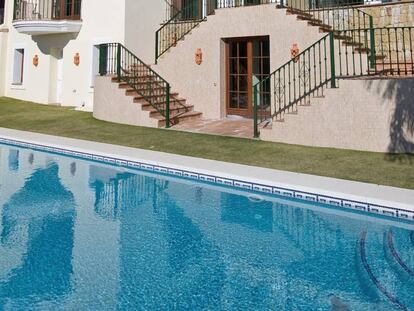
x=36, y=60
x=294, y=52
x=76, y=59
x=199, y=57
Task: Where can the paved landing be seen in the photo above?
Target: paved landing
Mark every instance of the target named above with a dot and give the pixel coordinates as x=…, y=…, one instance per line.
x=224, y=127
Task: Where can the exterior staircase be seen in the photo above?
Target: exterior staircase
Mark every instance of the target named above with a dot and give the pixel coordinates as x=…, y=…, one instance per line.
x=352, y=49
x=180, y=111
x=147, y=88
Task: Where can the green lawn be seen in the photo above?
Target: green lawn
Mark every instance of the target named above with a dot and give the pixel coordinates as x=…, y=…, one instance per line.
x=369, y=167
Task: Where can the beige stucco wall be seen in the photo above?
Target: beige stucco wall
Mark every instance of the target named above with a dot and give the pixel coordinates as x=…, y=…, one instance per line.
x=371, y=115
x=203, y=86
x=392, y=14
x=142, y=19
x=111, y=104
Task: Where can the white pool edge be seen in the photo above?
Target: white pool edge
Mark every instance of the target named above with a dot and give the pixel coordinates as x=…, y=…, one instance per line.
x=375, y=199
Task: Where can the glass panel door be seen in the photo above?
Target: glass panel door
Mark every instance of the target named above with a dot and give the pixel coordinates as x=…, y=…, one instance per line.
x=261, y=70
x=248, y=62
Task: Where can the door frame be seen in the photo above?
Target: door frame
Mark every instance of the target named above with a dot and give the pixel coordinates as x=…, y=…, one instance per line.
x=248, y=113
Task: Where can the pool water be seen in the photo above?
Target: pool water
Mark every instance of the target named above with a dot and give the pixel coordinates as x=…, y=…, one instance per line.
x=78, y=235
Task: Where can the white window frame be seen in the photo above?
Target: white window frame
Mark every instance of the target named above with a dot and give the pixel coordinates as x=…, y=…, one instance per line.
x=94, y=67
x=15, y=76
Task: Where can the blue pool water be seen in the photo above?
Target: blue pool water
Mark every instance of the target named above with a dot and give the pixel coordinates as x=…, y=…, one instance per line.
x=78, y=235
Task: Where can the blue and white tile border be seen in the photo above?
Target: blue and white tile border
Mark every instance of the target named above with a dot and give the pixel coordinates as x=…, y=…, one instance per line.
x=224, y=181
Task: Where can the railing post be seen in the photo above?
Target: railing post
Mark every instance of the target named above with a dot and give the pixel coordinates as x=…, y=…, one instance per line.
x=156, y=46
x=103, y=59
x=14, y=10
x=332, y=56
x=167, y=107
x=118, y=62
x=372, y=43
x=256, y=133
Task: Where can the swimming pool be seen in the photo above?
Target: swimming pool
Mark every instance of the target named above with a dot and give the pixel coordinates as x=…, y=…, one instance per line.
x=82, y=235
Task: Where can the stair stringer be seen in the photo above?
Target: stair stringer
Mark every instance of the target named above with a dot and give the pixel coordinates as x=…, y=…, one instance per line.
x=204, y=85
x=360, y=114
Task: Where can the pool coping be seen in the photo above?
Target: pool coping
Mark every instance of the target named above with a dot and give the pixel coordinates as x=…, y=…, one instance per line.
x=350, y=195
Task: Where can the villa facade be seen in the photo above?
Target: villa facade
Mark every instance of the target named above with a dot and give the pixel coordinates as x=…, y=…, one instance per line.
x=49, y=49
x=321, y=73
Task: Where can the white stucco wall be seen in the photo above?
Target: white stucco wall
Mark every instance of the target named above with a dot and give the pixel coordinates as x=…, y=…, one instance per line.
x=4, y=32
x=142, y=19
x=103, y=21
x=3, y=52
x=204, y=85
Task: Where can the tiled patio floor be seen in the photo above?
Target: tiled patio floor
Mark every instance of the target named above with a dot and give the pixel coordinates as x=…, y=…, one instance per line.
x=224, y=127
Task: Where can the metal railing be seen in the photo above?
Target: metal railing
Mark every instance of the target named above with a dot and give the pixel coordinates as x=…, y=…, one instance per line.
x=293, y=82
x=339, y=54
x=392, y=51
x=180, y=24
x=330, y=15
x=47, y=9
x=186, y=17
x=117, y=61
x=222, y=4
x=1, y=16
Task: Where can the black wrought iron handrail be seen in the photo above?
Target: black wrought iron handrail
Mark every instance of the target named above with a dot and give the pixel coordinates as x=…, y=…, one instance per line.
x=47, y=10
x=117, y=61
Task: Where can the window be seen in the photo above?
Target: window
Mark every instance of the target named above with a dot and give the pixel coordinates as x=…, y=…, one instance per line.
x=95, y=64
x=18, y=66
x=1, y=12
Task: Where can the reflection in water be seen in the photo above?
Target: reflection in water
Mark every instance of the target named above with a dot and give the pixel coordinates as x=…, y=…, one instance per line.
x=137, y=242
x=47, y=210
x=241, y=210
x=13, y=159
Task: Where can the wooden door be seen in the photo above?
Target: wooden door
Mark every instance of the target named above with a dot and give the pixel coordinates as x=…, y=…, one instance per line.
x=247, y=62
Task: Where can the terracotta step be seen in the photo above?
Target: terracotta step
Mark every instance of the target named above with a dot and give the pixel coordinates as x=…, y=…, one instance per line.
x=314, y=21
x=299, y=13
x=395, y=69
x=362, y=50
x=174, y=101
x=325, y=28
x=139, y=80
x=139, y=66
x=342, y=37
x=352, y=43
x=139, y=98
x=174, y=111
x=191, y=115
x=148, y=107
